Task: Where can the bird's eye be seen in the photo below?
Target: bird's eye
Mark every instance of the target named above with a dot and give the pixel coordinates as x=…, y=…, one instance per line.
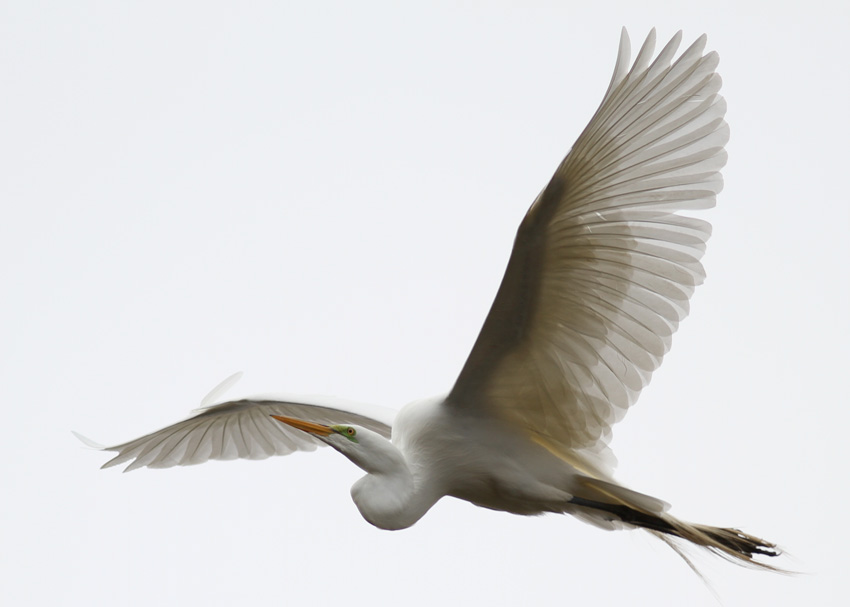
x=351, y=431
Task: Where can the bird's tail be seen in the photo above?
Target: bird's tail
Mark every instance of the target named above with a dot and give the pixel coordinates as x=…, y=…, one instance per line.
x=613, y=503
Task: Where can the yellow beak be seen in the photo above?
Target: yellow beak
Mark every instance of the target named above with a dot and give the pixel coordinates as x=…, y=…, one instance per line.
x=305, y=426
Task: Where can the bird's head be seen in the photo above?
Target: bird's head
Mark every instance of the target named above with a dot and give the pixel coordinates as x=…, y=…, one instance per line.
x=369, y=450
x=385, y=496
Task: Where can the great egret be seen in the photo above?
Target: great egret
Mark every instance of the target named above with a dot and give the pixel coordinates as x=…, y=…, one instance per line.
x=598, y=281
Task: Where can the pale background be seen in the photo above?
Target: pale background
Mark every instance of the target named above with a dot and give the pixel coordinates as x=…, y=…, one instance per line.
x=325, y=198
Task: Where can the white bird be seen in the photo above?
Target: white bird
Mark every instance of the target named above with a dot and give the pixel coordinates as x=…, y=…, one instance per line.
x=599, y=278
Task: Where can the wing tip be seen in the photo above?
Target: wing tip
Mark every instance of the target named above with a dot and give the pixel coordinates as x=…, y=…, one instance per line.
x=88, y=442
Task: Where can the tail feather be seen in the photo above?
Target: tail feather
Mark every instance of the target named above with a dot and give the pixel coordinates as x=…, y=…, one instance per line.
x=731, y=544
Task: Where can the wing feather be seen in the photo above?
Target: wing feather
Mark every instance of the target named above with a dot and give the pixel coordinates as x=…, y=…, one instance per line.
x=603, y=265
x=241, y=429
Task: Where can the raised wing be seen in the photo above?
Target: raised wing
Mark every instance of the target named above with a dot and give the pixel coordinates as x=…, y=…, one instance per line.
x=240, y=429
x=603, y=266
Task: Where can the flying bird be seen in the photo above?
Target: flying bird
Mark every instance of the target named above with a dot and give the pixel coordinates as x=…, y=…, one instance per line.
x=599, y=278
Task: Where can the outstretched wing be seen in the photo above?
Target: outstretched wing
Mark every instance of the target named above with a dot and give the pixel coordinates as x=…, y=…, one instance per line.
x=240, y=429
x=603, y=266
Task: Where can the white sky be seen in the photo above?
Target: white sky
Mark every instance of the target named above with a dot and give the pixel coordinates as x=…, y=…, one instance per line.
x=325, y=198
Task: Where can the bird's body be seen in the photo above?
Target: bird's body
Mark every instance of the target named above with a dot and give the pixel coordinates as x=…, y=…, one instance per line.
x=498, y=467
x=599, y=278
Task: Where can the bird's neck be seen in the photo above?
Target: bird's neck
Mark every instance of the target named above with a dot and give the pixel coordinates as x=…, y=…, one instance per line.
x=392, y=496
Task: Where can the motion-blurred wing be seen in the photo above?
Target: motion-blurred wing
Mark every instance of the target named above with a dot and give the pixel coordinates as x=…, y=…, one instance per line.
x=603, y=266
x=240, y=429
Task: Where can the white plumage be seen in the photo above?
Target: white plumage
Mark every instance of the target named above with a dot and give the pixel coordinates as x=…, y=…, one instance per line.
x=599, y=278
